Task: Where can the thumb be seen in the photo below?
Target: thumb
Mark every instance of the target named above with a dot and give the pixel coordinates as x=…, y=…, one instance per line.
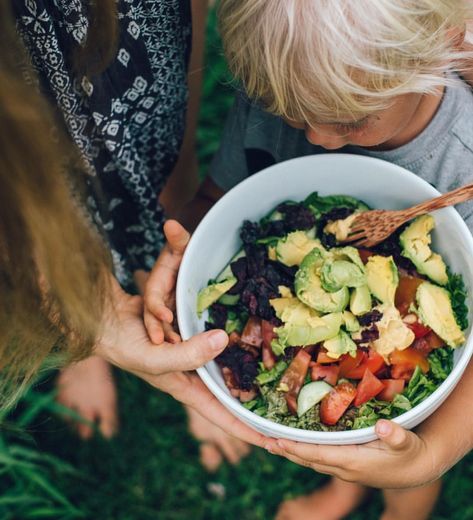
x=190, y=354
x=393, y=435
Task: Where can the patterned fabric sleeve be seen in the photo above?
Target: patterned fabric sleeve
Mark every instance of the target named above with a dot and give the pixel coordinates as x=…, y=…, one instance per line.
x=128, y=123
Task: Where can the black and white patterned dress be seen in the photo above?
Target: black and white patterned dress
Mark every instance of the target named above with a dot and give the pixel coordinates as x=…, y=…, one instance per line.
x=128, y=123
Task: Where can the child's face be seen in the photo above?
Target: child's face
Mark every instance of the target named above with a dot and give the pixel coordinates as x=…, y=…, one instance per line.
x=388, y=128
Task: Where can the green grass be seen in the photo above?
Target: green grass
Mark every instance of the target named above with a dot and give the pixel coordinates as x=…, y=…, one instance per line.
x=151, y=469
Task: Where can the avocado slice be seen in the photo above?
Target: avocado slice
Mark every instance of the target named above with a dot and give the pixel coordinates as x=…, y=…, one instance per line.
x=360, y=300
x=229, y=299
x=314, y=330
x=350, y=322
x=291, y=310
x=415, y=242
x=435, y=310
x=308, y=286
x=292, y=249
x=336, y=274
x=210, y=294
x=340, y=344
x=310, y=395
x=348, y=253
x=382, y=277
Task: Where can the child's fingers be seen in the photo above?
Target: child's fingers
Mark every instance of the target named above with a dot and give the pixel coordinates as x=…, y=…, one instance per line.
x=159, y=331
x=154, y=328
x=162, y=279
x=177, y=236
x=394, y=436
x=160, y=311
x=170, y=334
x=318, y=454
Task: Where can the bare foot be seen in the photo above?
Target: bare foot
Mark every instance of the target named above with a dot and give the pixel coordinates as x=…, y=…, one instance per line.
x=215, y=443
x=88, y=388
x=332, y=502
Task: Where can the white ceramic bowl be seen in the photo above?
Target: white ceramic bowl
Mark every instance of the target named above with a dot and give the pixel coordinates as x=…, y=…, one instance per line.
x=381, y=185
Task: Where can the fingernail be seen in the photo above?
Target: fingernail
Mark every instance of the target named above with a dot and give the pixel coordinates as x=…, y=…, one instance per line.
x=383, y=428
x=281, y=444
x=217, y=339
x=270, y=449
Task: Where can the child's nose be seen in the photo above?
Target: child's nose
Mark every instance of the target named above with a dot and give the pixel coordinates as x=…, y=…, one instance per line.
x=330, y=142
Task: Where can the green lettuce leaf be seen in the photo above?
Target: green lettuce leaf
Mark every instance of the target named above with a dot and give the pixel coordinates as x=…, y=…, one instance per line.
x=441, y=363
x=457, y=290
x=320, y=205
x=370, y=412
x=268, y=376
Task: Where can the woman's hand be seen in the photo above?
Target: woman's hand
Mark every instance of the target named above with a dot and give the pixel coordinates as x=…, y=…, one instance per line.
x=125, y=343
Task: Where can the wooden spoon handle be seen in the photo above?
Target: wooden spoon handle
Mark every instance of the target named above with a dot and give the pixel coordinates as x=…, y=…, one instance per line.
x=451, y=198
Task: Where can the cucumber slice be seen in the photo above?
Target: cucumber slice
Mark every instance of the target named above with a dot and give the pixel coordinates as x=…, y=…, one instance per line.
x=310, y=395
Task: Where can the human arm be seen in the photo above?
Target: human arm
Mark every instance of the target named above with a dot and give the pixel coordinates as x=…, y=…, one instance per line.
x=124, y=343
x=182, y=184
x=400, y=458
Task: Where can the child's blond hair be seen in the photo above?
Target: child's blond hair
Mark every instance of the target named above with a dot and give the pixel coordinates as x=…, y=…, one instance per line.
x=315, y=60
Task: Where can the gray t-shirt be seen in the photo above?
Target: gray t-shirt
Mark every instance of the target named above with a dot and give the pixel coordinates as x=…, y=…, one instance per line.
x=442, y=154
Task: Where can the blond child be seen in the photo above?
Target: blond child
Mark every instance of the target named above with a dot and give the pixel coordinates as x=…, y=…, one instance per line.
x=371, y=77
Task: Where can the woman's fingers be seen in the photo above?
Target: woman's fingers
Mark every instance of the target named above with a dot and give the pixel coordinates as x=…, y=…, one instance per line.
x=199, y=397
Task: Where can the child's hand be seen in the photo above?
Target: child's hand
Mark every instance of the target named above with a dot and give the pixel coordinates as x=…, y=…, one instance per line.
x=159, y=296
x=399, y=458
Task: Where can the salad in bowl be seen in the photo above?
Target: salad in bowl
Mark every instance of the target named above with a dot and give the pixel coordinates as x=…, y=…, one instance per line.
x=328, y=337
x=325, y=338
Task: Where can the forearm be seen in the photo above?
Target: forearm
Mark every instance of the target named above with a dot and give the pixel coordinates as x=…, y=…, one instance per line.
x=195, y=210
x=449, y=431
x=183, y=182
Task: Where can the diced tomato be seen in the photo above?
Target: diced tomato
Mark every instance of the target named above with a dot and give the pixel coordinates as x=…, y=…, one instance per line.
x=349, y=363
x=404, y=363
x=323, y=358
x=418, y=329
x=334, y=404
x=329, y=373
x=392, y=387
x=367, y=388
x=433, y=340
x=293, y=378
x=252, y=334
x=267, y=354
x=402, y=371
x=406, y=293
x=365, y=254
x=373, y=362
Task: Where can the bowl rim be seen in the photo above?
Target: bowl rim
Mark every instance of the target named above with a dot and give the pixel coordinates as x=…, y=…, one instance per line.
x=288, y=431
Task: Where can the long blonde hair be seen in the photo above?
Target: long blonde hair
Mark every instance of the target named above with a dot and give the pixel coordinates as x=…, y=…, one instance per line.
x=311, y=60
x=53, y=264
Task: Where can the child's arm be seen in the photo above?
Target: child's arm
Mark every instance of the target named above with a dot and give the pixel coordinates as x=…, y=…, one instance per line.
x=400, y=458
